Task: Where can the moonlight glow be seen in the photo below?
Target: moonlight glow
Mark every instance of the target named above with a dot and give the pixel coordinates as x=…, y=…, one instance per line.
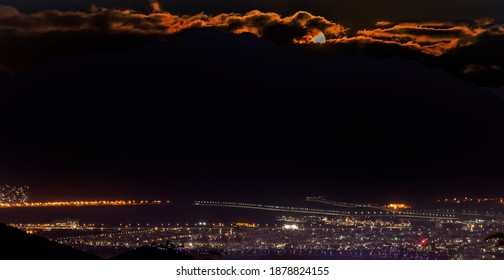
x=320, y=38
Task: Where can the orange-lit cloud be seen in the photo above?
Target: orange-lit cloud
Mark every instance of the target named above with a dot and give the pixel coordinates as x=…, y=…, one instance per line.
x=158, y=22
x=384, y=23
x=434, y=38
x=478, y=68
x=308, y=38
x=156, y=7
x=496, y=30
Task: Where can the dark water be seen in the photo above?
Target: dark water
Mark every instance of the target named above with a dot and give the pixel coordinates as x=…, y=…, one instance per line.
x=152, y=214
x=186, y=212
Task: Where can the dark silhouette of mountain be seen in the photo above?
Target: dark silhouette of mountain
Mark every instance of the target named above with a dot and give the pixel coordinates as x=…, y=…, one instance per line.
x=152, y=253
x=18, y=245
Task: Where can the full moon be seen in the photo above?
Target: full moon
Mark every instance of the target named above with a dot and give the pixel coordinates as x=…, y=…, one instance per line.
x=320, y=38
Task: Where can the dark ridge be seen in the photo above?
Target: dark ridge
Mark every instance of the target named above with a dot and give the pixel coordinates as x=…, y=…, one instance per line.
x=18, y=245
x=17, y=54
x=483, y=55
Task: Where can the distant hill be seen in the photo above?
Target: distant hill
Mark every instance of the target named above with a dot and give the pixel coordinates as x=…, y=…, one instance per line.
x=152, y=253
x=18, y=245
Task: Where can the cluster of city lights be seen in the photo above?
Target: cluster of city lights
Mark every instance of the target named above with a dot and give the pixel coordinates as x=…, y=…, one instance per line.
x=13, y=194
x=341, y=237
x=83, y=203
x=245, y=225
x=398, y=206
x=293, y=226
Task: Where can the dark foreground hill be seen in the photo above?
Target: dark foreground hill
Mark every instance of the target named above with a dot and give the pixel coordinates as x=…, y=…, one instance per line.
x=18, y=245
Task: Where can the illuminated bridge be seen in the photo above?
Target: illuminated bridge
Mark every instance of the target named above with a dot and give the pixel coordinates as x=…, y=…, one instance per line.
x=323, y=200
x=371, y=212
x=403, y=209
x=82, y=203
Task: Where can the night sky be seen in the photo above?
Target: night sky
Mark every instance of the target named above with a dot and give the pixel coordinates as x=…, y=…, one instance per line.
x=351, y=12
x=219, y=99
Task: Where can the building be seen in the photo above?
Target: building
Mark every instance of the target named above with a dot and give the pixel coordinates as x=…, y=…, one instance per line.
x=66, y=223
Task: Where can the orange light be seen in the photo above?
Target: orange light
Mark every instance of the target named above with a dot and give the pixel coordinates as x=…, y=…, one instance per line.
x=398, y=206
x=80, y=203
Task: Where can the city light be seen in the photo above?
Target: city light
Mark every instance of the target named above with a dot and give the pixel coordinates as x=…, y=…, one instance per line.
x=317, y=236
x=326, y=233
x=13, y=194
x=398, y=206
x=293, y=226
x=405, y=212
x=472, y=199
x=245, y=225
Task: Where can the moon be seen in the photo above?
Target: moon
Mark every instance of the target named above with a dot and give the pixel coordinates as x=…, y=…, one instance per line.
x=320, y=38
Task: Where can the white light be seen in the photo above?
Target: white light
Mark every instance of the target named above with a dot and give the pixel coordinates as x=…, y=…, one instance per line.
x=294, y=226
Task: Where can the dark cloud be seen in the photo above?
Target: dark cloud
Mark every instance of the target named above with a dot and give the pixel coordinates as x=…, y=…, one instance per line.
x=100, y=27
x=472, y=68
x=434, y=38
x=22, y=30
x=155, y=23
